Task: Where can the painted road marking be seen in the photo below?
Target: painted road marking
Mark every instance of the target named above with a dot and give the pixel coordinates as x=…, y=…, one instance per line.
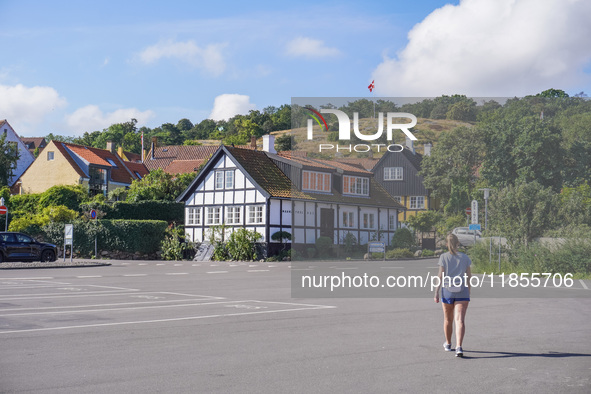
x=583, y=284
x=217, y=272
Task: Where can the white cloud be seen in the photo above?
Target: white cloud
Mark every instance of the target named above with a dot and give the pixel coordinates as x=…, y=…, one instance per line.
x=226, y=106
x=91, y=118
x=492, y=47
x=311, y=48
x=27, y=106
x=209, y=58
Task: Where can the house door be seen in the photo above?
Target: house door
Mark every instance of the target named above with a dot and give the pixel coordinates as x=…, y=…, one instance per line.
x=327, y=222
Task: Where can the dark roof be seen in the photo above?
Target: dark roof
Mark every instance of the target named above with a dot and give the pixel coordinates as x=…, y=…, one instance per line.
x=165, y=155
x=261, y=169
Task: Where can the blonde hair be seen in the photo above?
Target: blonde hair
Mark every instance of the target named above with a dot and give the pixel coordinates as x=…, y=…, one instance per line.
x=453, y=243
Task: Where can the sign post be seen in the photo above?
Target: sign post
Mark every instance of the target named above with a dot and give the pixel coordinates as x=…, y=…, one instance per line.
x=69, y=240
x=4, y=211
x=376, y=247
x=93, y=216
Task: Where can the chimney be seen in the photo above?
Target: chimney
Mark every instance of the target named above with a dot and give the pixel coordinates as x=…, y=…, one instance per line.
x=427, y=149
x=253, y=142
x=409, y=145
x=154, y=145
x=110, y=146
x=269, y=143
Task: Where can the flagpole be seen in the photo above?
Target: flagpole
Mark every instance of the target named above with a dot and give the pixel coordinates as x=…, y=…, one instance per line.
x=142, y=146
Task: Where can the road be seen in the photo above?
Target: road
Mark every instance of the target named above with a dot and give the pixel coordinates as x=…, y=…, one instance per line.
x=185, y=327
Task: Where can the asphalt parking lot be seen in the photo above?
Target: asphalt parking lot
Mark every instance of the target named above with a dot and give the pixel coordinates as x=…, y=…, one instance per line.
x=147, y=326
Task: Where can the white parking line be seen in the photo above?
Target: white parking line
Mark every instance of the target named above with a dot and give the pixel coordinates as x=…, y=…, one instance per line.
x=583, y=284
x=217, y=272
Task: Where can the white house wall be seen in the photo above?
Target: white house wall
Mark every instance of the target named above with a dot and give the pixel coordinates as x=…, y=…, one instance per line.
x=26, y=158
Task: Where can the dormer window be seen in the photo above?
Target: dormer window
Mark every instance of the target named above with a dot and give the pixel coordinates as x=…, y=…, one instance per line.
x=355, y=185
x=393, y=173
x=316, y=181
x=111, y=162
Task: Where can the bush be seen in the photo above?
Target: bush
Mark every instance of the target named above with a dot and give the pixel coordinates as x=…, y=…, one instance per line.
x=427, y=253
x=324, y=246
x=172, y=212
x=174, y=245
x=349, y=243
x=403, y=238
x=70, y=196
x=24, y=203
x=142, y=236
x=399, y=253
x=241, y=244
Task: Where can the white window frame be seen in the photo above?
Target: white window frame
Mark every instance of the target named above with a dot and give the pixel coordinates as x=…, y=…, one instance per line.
x=229, y=180
x=357, y=185
x=398, y=199
x=348, y=218
x=214, y=216
x=255, y=214
x=318, y=178
x=393, y=173
x=392, y=221
x=194, y=216
x=414, y=202
x=234, y=214
x=368, y=221
x=219, y=180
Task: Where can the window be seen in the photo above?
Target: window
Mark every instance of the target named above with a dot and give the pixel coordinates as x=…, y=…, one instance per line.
x=368, y=220
x=417, y=202
x=392, y=222
x=49, y=156
x=194, y=216
x=355, y=185
x=219, y=179
x=316, y=181
x=229, y=179
x=393, y=173
x=255, y=214
x=214, y=215
x=137, y=174
x=348, y=219
x=111, y=162
x=398, y=199
x=233, y=215
x=224, y=179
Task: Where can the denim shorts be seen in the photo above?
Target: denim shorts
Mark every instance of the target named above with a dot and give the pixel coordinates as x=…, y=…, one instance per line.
x=447, y=297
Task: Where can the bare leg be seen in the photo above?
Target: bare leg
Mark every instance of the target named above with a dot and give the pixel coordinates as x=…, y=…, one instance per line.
x=460, y=314
x=448, y=319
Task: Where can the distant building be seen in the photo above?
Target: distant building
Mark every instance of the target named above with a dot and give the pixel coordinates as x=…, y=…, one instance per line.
x=101, y=170
x=33, y=143
x=26, y=158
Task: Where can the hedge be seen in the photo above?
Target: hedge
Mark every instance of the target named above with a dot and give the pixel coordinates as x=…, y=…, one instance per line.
x=142, y=236
x=169, y=211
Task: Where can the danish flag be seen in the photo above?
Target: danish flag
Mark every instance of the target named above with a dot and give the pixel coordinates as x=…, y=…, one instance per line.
x=371, y=86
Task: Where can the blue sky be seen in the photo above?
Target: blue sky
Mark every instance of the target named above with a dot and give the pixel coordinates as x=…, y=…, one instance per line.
x=69, y=66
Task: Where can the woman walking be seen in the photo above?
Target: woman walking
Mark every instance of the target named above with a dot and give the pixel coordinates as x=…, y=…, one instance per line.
x=454, y=275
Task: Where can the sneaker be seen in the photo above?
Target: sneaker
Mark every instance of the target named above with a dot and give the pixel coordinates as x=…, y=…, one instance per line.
x=459, y=352
x=447, y=347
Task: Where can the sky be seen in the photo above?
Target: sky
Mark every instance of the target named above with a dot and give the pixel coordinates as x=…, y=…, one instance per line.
x=69, y=67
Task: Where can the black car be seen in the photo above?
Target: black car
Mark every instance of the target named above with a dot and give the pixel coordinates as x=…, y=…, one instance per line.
x=22, y=247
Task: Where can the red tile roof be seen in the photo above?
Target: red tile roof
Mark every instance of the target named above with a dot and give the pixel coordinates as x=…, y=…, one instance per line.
x=165, y=155
x=184, y=166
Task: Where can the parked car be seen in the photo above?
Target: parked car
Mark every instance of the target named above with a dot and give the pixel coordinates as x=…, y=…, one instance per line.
x=22, y=247
x=466, y=236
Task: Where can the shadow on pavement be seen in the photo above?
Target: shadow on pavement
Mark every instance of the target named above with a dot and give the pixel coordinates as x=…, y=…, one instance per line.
x=474, y=354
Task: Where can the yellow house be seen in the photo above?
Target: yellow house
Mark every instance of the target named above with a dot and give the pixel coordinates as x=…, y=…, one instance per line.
x=60, y=163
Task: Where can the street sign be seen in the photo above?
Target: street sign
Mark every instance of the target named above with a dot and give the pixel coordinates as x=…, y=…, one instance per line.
x=474, y=212
x=3, y=210
x=69, y=234
x=376, y=247
x=92, y=214
x=474, y=227
x=468, y=211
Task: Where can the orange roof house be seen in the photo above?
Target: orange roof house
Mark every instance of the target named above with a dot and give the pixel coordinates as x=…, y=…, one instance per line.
x=101, y=170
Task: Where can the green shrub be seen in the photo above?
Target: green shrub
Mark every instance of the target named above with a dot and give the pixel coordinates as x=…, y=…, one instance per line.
x=142, y=236
x=399, y=253
x=25, y=203
x=427, y=253
x=172, y=212
x=403, y=238
x=324, y=246
x=349, y=243
x=174, y=245
x=241, y=244
x=69, y=195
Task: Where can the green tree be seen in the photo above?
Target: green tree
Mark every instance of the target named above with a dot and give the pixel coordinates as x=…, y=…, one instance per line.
x=158, y=185
x=9, y=156
x=523, y=212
